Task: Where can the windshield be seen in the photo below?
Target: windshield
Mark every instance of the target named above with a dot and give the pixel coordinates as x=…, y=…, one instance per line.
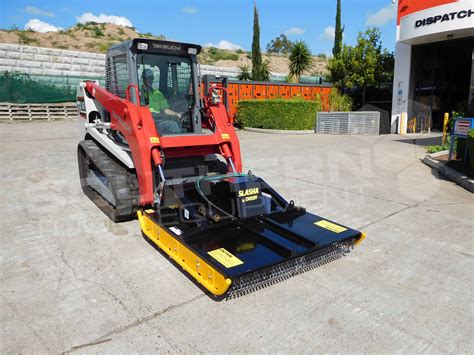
x=167, y=88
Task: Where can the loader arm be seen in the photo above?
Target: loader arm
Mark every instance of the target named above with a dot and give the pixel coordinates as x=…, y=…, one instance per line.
x=136, y=124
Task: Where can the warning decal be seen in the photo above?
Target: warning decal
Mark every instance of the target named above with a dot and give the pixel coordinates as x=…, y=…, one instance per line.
x=225, y=258
x=333, y=227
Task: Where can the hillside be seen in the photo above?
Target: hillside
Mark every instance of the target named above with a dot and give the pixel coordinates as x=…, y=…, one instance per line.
x=98, y=37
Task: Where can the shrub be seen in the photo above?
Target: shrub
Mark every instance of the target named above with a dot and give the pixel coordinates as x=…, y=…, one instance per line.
x=217, y=54
x=438, y=148
x=295, y=114
x=104, y=46
x=98, y=32
x=470, y=150
x=24, y=39
x=338, y=101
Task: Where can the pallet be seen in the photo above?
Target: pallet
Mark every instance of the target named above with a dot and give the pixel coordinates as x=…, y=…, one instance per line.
x=37, y=112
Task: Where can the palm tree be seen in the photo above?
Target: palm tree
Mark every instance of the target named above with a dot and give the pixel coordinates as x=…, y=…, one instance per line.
x=265, y=70
x=300, y=60
x=245, y=73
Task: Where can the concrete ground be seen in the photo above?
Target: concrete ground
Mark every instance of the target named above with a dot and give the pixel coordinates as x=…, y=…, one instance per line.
x=72, y=281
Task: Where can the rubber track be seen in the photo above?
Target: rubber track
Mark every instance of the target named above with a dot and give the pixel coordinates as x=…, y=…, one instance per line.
x=124, y=183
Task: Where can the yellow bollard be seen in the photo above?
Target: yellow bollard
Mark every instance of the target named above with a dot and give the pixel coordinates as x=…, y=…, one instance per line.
x=403, y=124
x=414, y=124
x=445, y=127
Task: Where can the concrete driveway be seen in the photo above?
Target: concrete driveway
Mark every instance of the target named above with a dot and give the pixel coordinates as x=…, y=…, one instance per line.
x=72, y=281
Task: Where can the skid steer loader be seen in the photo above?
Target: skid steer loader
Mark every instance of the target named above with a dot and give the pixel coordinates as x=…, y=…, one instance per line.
x=159, y=146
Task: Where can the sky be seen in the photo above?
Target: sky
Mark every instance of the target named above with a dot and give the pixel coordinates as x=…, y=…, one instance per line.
x=225, y=23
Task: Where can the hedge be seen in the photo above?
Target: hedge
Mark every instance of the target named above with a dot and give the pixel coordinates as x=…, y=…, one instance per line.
x=278, y=114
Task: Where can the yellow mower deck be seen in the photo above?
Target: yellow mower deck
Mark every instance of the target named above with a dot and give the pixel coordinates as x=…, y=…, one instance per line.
x=201, y=271
x=235, y=269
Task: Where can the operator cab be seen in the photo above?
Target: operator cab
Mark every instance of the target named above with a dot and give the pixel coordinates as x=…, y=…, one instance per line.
x=166, y=75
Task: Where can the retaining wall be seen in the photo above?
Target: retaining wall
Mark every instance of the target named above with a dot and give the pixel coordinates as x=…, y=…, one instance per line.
x=49, y=61
x=38, y=61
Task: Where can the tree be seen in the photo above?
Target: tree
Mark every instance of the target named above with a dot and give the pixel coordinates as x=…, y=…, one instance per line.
x=245, y=73
x=256, y=53
x=367, y=59
x=363, y=65
x=340, y=69
x=387, y=61
x=300, y=60
x=280, y=44
x=337, y=49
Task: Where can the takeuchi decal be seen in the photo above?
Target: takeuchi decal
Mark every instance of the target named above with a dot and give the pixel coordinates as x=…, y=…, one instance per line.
x=166, y=46
x=456, y=15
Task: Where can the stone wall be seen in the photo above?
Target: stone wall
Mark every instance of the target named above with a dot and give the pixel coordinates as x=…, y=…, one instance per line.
x=39, y=61
x=50, y=62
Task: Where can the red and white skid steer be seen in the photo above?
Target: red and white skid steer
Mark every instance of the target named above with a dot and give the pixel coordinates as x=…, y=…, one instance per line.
x=155, y=148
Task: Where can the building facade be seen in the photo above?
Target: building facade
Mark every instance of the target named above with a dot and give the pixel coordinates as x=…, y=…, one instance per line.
x=434, y=60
